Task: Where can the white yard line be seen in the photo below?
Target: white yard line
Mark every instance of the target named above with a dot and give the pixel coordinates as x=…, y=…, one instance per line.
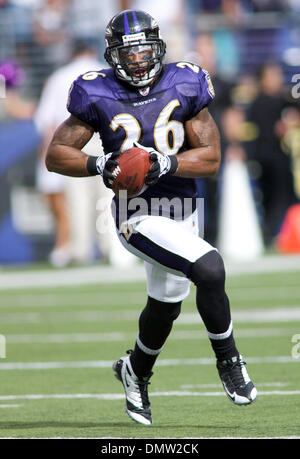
x=8, y=405
x=107, y=363
x=213, y=385
x=105, y=274
x=87, y=275
x=247, y=294
x=71, y=316
x=67, y=299
x=253, y=315
x=113, y=396
x=118, y=336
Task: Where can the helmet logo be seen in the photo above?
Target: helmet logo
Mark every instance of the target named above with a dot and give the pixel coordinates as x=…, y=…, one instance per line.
x=128, y=39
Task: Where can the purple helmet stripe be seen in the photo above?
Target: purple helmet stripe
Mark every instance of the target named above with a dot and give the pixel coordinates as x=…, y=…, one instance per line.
x=126, y=24
x=136, y=22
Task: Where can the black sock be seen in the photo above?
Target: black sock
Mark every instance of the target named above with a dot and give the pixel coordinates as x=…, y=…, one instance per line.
x=213, y=305
x=155, y=325
x=224, y=348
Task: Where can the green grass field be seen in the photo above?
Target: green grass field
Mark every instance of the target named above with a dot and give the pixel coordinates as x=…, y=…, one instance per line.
x=56, y=379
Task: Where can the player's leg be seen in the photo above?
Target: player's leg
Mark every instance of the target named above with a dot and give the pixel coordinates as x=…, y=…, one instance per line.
x=134, y=370
x=208, y=274
x=165, y=293
x=52, y=187
x=174, y=248
x=61, y=254
x=152, y=240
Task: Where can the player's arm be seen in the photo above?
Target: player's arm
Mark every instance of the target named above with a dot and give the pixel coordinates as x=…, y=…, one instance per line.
x=64, y=154
x=204, y=156
x=201, y=160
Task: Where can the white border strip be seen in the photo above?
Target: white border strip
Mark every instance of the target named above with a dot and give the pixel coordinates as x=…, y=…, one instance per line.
x=291, y=437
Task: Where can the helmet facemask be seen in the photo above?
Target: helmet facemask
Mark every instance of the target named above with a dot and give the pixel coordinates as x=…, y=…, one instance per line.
x=138, y=63
x=134, y=48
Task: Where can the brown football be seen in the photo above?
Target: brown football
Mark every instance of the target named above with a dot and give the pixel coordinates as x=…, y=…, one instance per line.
x=133, y=166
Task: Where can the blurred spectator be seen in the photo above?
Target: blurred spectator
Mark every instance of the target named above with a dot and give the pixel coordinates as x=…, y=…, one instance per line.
x=50, y=113
x=233, y=121
x=172, y=21
x=267, y=5
x=51, y=33
x=206, y=56
x=15, y=26
x=233, y=10
x=294, y=5
x=13, y=105
x=272, y=165
x=244, y=91
x=88, y=19
x=289, y=131
x=72, y=201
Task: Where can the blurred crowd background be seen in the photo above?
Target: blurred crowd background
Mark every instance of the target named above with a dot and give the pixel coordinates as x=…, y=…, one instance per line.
x=251, y=49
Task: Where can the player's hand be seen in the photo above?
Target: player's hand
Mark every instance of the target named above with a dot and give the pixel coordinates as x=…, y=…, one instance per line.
x=106, y=167
x=162, y=165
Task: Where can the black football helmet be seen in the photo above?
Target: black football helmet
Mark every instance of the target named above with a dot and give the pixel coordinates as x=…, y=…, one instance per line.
x=134, y=47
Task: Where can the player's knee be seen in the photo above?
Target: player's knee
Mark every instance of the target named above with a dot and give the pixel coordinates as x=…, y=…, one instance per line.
x=175, y=311
x=166, y=312
x=208, y=270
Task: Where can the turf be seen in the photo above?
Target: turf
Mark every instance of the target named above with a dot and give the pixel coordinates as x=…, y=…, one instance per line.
x=96, y=324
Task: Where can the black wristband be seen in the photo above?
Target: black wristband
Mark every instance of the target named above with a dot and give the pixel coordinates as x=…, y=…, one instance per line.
x=91, y=165
x=174, y=164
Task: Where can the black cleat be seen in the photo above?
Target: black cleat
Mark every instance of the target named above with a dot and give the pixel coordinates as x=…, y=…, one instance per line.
x=236, y=382
x=136, y=391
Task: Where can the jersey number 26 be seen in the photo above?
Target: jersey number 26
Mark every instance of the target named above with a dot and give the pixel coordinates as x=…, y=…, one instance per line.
x=168, y=134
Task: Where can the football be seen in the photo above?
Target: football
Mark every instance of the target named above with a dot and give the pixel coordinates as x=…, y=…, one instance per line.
x=133, y=166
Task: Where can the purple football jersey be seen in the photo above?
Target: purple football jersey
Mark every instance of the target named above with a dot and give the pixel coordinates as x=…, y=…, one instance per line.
x=154, y=118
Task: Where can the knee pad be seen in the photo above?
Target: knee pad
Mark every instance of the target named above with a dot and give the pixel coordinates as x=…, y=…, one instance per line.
x=208, y=270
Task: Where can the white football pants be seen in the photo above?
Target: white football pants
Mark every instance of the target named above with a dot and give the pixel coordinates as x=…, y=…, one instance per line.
x=168, y=248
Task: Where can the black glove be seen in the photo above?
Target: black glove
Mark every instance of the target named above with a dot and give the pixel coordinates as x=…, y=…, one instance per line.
x=154, y=171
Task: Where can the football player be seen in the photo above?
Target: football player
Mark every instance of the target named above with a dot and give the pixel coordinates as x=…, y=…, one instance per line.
x=139, y=101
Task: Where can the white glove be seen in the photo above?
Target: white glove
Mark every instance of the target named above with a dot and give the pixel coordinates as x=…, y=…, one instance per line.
x=101, y=161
